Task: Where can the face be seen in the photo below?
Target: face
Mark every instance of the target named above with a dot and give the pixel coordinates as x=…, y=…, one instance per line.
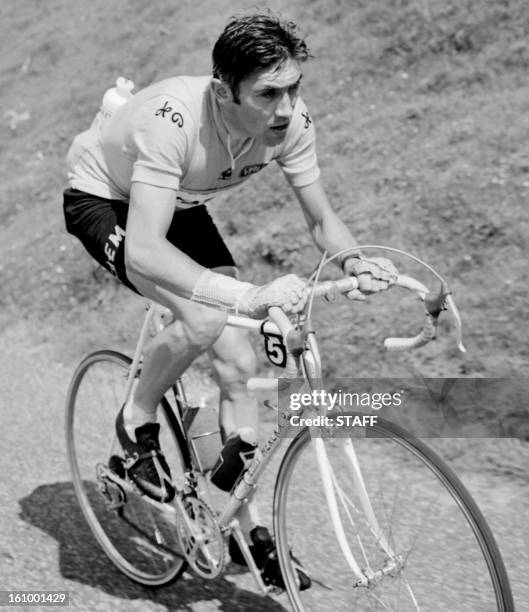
x=266, y=101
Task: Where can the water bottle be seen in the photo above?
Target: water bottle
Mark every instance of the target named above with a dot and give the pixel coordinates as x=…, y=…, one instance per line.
x=236, y=454
x=116, y=97
x=113, y=98
x=202, y=426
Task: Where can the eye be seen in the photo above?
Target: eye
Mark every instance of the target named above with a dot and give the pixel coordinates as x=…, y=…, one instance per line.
x=269, y=93
x=293, y=89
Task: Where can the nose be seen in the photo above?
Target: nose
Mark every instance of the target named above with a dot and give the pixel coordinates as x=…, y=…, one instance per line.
x=284, y=107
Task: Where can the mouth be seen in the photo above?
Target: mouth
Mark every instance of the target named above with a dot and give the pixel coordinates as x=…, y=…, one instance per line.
x=280, y=127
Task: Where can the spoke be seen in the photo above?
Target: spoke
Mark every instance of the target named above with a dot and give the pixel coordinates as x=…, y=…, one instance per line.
x=140, y=537
x=410, y=590
x=145, y=544
x=345, y=498
x=401, y=495
x=377, y=598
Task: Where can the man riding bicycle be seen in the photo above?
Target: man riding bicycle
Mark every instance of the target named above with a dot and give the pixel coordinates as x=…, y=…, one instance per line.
x=139, y=183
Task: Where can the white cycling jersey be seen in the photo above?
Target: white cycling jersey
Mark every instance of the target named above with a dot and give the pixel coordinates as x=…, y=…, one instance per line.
x=171, y=134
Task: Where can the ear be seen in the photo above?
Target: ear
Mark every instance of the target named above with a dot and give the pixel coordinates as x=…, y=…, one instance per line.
x=221, y=90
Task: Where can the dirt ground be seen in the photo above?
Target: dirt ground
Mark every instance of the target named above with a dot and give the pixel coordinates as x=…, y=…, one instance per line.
x=422, y=116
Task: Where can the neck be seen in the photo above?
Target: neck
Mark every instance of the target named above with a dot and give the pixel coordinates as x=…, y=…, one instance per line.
x=229, y=119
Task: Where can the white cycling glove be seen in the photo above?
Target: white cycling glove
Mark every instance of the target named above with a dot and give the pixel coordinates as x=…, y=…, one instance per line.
x=232, y=295
x=287, y=292
x=373, y=273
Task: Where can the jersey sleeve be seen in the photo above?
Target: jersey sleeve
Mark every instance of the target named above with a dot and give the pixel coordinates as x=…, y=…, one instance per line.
x=298, y=159
x=161, y=139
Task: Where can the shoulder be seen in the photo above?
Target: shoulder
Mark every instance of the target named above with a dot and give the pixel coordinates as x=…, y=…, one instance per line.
x=177, y=101
x=301, y=117
x=300, y=131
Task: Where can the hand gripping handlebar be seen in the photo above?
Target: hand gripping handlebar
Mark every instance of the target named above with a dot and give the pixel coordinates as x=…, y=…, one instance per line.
x=295, y=339
x=434, y=305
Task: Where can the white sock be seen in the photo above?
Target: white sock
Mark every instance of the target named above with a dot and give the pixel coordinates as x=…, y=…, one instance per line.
x=134, y=417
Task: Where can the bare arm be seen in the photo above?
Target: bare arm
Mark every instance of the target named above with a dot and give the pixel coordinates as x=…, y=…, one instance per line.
x=327, y=229
x=330, y=234
x=147, y=251
x=149, y=254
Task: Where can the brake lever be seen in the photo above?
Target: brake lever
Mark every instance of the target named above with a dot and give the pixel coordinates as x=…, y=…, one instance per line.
x=457, y=318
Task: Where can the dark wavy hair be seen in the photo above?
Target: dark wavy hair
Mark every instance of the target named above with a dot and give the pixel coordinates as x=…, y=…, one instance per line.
x=255, y=42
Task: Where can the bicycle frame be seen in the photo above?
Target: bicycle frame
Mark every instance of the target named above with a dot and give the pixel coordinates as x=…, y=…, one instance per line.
x=311, y=371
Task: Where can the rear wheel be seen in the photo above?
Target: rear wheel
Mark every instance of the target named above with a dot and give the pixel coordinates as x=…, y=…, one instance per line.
x=444, y=555
x=138, y=534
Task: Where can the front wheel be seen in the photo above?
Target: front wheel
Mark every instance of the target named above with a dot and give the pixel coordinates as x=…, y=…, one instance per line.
x=425, y=547
x=140, y=537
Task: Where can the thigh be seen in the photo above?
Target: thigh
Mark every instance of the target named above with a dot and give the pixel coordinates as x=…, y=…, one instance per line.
x=194, y=232
x=100, y=226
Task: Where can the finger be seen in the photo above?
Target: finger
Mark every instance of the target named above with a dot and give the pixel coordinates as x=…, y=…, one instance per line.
x=365, y=282
x=385, y=277
x=386, y=270
x=356, y=295
x=381, y=286
x=378, y=285
x=296, y=303
x=297, y=307
x=300, y=290
x=295, y=300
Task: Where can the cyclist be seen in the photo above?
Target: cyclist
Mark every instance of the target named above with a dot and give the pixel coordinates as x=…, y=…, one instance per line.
x=139, y=183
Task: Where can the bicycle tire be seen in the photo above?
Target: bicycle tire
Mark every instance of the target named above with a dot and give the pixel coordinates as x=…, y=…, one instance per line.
x=460, y=571
x=138, y=538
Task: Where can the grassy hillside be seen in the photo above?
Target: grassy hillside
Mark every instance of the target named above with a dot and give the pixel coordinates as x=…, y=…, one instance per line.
x=422, y=117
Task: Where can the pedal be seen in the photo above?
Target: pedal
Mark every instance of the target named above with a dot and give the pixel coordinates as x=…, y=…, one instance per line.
x=113, y=494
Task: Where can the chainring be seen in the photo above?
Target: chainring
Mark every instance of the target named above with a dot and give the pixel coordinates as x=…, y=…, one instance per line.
x=201, y=539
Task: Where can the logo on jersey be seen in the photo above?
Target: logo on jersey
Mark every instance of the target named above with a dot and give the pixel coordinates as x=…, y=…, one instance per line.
x=247, y=170
x=307, y=118
x=168, y=110
x=226, y=175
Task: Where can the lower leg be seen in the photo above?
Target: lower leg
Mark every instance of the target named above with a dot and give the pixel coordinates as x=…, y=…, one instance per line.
x=239, y=411
x=233, y=362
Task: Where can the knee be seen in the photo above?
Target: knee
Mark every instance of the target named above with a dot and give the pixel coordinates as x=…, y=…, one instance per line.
x=200, y=331
x=235, y=368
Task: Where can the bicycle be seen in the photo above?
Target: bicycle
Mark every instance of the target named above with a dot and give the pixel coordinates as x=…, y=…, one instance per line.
x=376, y=539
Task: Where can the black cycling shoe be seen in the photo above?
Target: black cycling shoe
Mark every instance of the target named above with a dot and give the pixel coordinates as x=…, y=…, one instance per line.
x=154, y=480
x=265, y=556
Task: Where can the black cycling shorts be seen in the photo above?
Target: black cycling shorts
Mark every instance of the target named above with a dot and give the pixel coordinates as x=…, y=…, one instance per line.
x=100, y=225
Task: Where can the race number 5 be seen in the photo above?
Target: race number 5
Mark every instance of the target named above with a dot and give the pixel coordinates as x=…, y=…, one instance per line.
x=275, y=349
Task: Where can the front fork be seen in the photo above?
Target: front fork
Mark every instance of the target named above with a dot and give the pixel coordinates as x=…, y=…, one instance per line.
x=368, y=578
